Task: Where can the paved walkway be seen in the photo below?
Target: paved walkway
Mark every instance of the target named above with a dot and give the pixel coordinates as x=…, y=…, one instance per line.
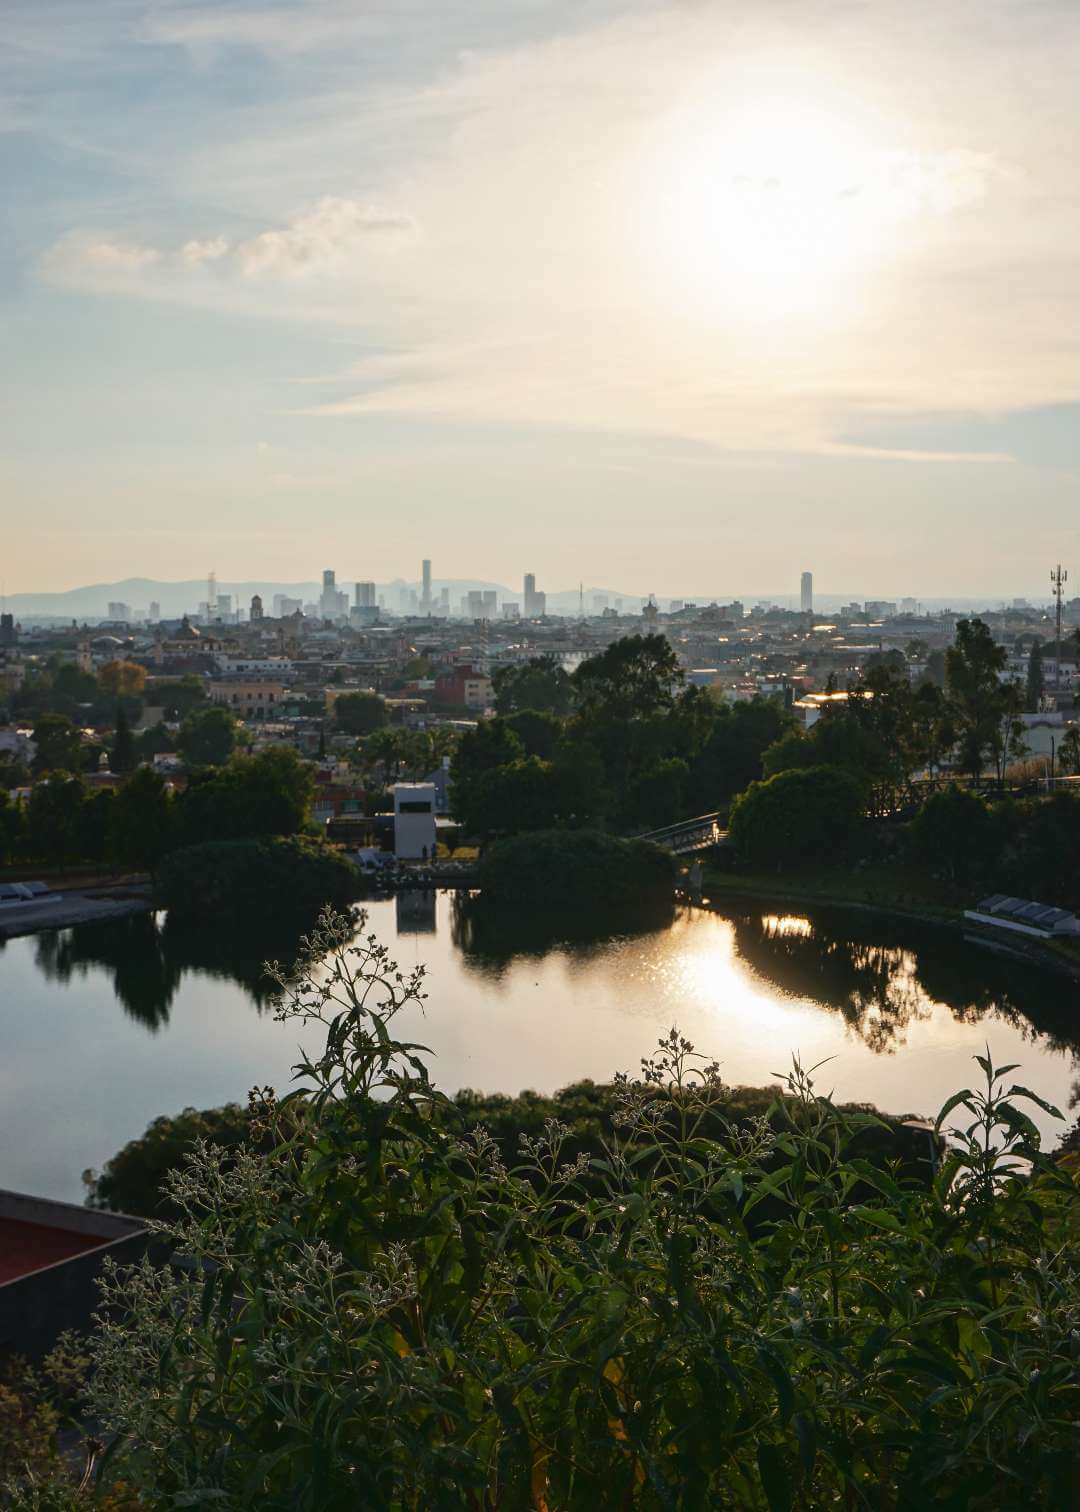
x=67, y=909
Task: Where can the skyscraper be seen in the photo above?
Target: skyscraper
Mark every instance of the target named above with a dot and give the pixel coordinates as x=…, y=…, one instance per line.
x=806, y=593
x=529, y=596
x=332, y=604
x=425, y=596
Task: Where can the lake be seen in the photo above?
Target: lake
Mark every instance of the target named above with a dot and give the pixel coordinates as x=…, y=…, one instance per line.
x=102, y=1028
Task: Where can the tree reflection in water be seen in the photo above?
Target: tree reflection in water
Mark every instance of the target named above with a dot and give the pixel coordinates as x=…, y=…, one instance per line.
x=491, y=938
x=883, y=977
x=148, y=958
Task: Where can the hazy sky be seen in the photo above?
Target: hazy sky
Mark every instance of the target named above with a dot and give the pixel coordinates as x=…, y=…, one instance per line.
x=681, y=297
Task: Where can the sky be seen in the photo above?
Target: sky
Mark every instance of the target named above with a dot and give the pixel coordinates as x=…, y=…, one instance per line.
x=673, y=297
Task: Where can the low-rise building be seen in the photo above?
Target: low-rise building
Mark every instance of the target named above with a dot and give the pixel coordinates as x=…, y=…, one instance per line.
x=249, y=699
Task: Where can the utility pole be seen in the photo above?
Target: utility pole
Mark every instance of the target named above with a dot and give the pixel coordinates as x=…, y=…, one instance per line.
x=1058, y=578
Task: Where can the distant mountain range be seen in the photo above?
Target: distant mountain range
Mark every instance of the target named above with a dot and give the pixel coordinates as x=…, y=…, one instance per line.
x=92, y=602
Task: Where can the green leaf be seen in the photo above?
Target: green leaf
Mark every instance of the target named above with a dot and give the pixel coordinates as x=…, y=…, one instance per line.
x=954, y=1101
x=1017, y=1091
x=774, y=1478
x=806, y=1433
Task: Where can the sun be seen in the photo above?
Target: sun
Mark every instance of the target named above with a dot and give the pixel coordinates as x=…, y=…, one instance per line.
x=769, y=206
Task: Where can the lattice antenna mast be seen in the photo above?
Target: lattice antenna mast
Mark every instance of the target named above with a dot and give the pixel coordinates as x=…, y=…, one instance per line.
x=1058, y=578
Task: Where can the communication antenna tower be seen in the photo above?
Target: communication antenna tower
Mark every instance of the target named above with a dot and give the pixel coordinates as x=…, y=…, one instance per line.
x=1058, y=578
x=581, y=600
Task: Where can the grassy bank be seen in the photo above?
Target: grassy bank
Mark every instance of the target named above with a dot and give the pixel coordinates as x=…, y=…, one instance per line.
x=897, y=891
x=893, y=889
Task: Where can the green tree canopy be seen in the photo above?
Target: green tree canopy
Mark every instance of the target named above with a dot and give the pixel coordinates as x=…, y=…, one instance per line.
x=973, y=665
x=267, y=794
x=123, y=756
x=952, y=832
x=52, y=818
x=59, y=744
x=177, y=697
x=798, y=817
x=360, y=713
x=633, y=678
x=143, y=827
x=538, y=732
x=11, y=827
x=731, y=756
x=207, y=738
x=492, y=744
x=540, y=683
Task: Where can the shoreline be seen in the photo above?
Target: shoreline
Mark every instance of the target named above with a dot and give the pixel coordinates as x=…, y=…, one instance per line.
x=1033, y=952
x=67, y=910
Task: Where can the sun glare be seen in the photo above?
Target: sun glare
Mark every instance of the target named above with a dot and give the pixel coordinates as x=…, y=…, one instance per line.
x=771, y=206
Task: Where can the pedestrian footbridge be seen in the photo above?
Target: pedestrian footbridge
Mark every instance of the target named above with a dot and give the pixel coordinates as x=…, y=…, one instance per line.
x=688, y=835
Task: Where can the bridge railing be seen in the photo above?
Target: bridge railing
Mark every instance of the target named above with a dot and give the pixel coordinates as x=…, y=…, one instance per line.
x=687, y=834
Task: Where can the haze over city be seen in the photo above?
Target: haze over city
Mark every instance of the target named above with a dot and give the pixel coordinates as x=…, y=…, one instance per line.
x=671, y=297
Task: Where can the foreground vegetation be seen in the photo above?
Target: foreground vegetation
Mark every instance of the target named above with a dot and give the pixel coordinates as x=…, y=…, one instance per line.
x=137, y=1180
x=380, y=1310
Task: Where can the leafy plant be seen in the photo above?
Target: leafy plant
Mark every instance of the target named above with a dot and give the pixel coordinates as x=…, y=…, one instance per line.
x=378, y=1310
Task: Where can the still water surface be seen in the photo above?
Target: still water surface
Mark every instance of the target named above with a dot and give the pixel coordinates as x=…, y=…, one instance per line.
x=103, y=1028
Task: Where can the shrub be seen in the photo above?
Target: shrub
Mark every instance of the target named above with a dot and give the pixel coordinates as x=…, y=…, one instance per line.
x=568, y=869
x=813, y=814
x=952, y=832
x=278, y=877
x=379, y=1313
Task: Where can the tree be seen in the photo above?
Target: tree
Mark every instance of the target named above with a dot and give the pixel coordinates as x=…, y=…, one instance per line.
x=155, y=741
x=360, y=713
x=281, y=878
x=657, y=797
x=70, y=682
x=951, y=832
x=123, y=756
x=180, y=697
x=633, y=678
x=14, y=771
x=492, y=744
x=386, y=748
x=540, y=683
x=52, y=818
x=59, y=744
x=122, y=679
x=518, y=796
x=1036, y=681
x=799, y=816
x=730, y=758
x=973, y=665
x=11, y=826
x=838, y=739
x=267, y=794
x=1069, y=750
x=93, y=825
x=932, y=733
x=538, y=732
x=142, y=828
x=207, y=738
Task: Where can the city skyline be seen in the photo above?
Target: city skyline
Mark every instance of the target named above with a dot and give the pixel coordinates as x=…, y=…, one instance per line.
x=326, y=595
x=304, y=281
